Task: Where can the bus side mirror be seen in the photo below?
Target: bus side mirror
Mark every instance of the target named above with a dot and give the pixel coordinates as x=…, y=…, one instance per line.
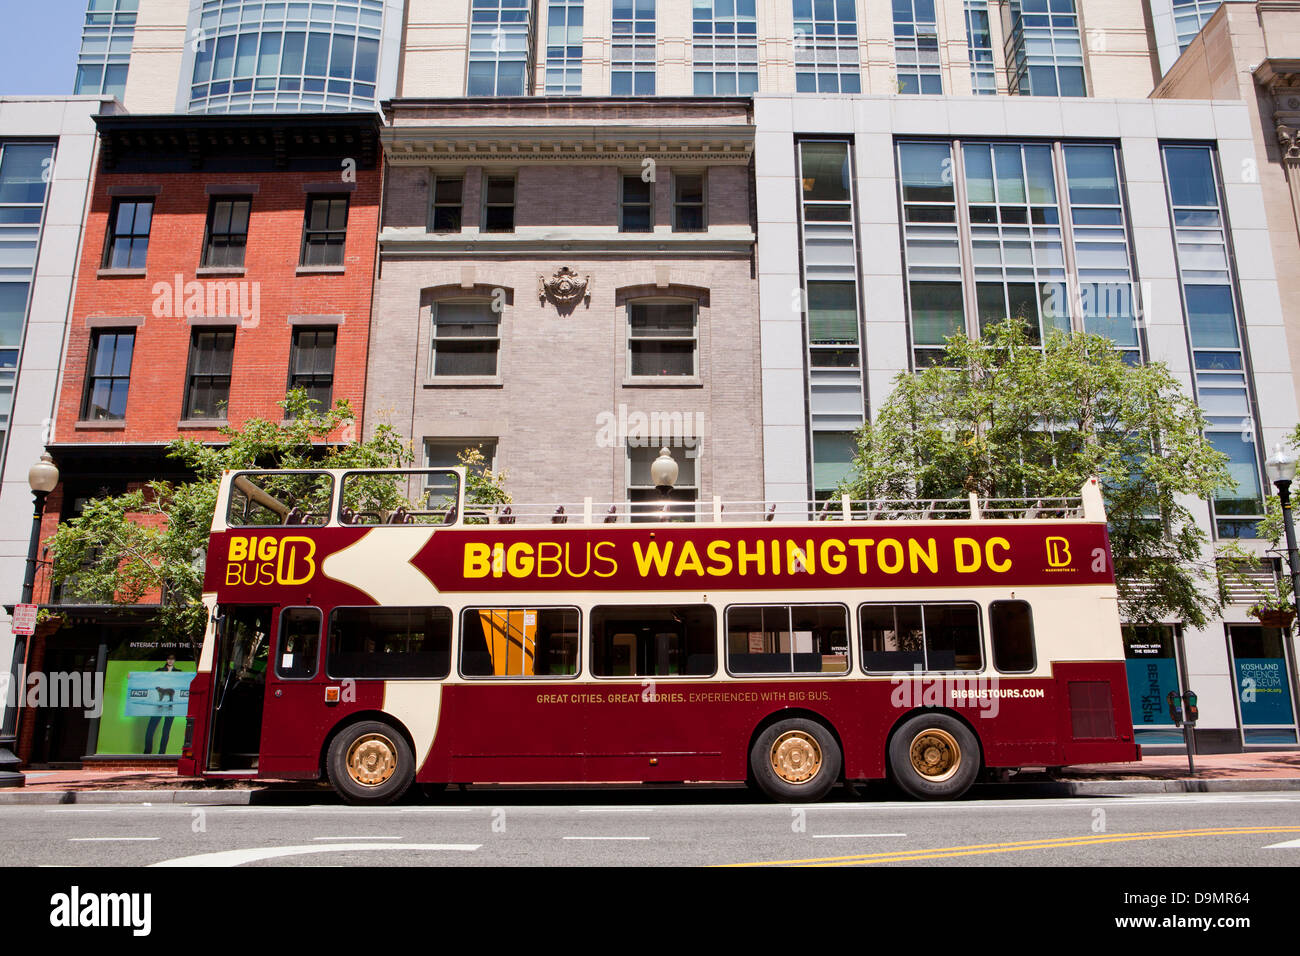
x=1175, y=708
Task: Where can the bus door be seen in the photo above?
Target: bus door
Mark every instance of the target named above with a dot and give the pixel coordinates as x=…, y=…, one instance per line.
x=239, y=686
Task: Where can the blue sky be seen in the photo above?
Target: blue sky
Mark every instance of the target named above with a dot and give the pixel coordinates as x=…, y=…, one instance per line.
x=38, y=46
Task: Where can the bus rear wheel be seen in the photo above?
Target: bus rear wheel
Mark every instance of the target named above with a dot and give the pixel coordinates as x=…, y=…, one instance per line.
x=934, y=757
x=795, y=760
x=370, y=763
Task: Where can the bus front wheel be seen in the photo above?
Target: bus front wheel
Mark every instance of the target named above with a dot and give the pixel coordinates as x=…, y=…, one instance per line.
x=934, y=757
x=370, y=762
x=795, y=760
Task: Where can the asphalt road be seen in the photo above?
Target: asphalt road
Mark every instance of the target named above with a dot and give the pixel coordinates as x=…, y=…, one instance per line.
x=656, y=828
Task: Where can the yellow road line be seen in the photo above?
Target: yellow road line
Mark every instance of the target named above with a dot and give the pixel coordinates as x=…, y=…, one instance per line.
x=1046, y=843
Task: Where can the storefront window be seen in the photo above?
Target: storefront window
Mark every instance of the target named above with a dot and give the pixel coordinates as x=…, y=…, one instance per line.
x=1152, y=665
x=146, y=695
x=1260, y=669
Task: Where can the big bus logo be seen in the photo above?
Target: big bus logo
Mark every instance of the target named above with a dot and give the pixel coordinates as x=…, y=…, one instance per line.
x=270, y=560
x=1058, y=552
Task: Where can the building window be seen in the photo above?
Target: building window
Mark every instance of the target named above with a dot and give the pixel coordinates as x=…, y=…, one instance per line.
x=637, y=208
x=826, y=47
x=1025, y=221
x=688, y=203
x=832, y=461
x=211, y=357
x=916, y=47
x=1043, y=50
x=311, y=364
x=564, y=48
x=466, y=338
x=110, y=375
x=647, y=503
x=324, y=231
x=448, y=197
x=227, y=232
x=633, y=48
x=106, y=41
x=725, y=47
x=252, y=58
x=979, y=43
x=499, y=204
x=128, y=234
x=662, y=339
x=1189, y=17
x=1222, y=386
x=500, y=57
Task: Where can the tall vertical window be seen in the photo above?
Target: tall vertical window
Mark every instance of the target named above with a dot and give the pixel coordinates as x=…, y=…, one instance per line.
x=212, y=354
x=1214, y=330
x=466, y=338
x=1029, y=209
x=632, y=54
x=647, y=502
x=1044, y=51
x=448, y=201
x=256, y=56
x=227, y=232
x=499, y=204
x=834, y=357
x=979, y=44
x=128, y=234
x=636, y=212
x=725, y=47
x=106, y=40
x=24, y=170
x=311, y=364
x=109, y=365
x=688, y=202
x=500, y=56
x=826, y=47
x=564, y=48
x=1189, y=17
x=325, y=231
x=662, y=338
x=916, y=47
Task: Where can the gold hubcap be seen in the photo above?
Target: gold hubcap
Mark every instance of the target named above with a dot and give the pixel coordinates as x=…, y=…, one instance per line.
x=936, y=754
x=796, y=757
x=371, y=760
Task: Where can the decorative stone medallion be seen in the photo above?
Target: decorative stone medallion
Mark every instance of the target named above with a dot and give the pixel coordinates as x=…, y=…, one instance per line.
x=565, y=287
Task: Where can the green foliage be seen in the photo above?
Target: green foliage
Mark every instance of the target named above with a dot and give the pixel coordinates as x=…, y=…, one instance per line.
x=123, y=549
x=1004, y=418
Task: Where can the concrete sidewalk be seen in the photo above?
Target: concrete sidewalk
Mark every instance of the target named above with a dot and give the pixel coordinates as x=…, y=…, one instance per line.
x=1215, y=773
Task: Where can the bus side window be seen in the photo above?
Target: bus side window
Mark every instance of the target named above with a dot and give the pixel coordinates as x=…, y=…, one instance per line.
x=654, y=641
x=299, y=647
x=519, y=642
x=375, y=642
x=788, y=639
x=1012, y=626
x=928, y=637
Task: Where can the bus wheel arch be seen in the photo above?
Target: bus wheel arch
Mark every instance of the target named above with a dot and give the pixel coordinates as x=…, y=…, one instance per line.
x=932, y=753
x=795, y=755
x=369, y=758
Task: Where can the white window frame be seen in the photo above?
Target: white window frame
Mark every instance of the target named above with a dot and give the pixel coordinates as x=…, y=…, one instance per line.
x=622, y=203
x=430, y=374
x=433, y=200
x=704, y=198
x=629, y=375
x=488, y=176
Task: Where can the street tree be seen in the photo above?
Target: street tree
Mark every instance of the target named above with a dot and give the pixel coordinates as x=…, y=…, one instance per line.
x=1004, y=416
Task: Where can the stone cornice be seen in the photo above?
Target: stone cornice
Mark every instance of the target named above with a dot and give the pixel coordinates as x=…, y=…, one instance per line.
x=403, y=243
x=603, y=145
x=1278, y=75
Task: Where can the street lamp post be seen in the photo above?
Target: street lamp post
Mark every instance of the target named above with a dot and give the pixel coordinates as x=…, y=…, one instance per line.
x=1281, y=471
x=663, y=472
x=43, y=477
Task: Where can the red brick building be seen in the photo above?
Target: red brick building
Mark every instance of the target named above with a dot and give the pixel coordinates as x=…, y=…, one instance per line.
x=225, y=259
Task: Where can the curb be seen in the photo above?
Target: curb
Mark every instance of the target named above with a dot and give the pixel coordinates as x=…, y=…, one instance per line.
x=980, y=791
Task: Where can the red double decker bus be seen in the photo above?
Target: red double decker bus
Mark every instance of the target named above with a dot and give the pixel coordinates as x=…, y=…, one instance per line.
x=366, y=626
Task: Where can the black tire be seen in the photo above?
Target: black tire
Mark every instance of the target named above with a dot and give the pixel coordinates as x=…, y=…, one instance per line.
x=944, y=745
x=798, y=745
x=383, y=766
